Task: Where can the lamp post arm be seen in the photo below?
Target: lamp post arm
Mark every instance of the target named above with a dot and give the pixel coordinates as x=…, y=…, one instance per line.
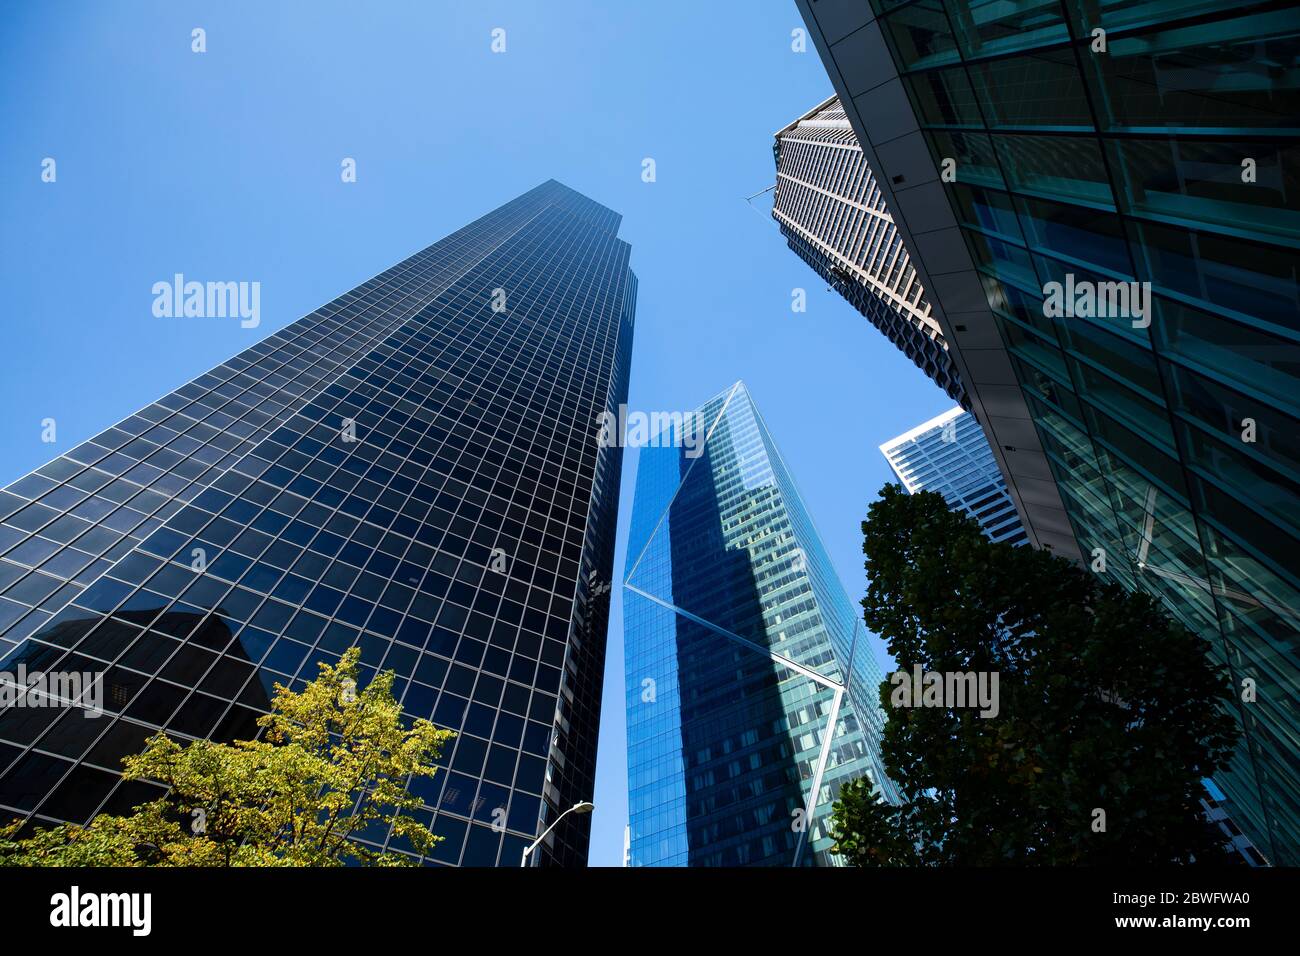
x=523, y=860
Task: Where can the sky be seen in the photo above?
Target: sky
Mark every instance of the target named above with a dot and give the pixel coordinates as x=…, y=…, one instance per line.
x=225, y=165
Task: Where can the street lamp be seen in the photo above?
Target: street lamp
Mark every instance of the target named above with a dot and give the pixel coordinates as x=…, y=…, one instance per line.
x=582, y=806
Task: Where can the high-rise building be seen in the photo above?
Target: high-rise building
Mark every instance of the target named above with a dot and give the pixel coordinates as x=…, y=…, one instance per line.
x=752, y=693
x=413, y=468
x=1100, y=199
x=950, y=455
x=831, y=214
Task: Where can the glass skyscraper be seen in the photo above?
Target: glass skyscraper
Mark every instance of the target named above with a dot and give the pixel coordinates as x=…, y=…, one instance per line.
x=949, y=454
x=1144, y=149
x=412, y=468
x=752, y=694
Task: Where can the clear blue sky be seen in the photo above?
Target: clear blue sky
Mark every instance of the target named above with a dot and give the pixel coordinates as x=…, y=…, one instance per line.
x=225, y=165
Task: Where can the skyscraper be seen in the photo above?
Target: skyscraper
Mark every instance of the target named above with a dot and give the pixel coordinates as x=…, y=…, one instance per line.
x=950, y=455
x=412, y=468
x=1100, y=201
x=751, y=689
x=831, y=214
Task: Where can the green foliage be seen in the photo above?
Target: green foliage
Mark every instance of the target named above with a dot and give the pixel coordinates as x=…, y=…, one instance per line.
x=333, y=762
x=1105, y=703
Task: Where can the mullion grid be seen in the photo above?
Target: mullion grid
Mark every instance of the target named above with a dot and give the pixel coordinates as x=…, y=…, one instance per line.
x=263, y=357
x=150, y=678
x=301, y=329
x=396, y=471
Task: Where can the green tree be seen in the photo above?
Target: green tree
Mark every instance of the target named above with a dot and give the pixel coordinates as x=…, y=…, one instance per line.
x=333, y=761
x=1110, y=712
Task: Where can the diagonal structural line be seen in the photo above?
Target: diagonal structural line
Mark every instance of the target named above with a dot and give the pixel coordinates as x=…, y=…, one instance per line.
x=758, y=648
x=1148, y=525
x=817, y=777
x=712, y=428
x=1218, y=590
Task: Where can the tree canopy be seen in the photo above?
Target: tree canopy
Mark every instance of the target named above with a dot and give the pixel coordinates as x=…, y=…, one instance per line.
x=1110, y=712
x=332, y=761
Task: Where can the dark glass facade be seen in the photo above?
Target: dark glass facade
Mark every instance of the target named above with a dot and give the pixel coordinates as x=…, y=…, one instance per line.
x=412, y=468
x=751, y=688
x=1099, y=141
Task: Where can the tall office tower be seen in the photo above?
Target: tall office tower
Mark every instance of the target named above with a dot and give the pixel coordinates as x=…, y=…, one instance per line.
x=752, y=695
x=950, y=455
x=830, y=211
x=412, y=468
x=1112, y=259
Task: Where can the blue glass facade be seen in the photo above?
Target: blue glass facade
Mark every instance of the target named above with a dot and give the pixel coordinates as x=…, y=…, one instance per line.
x=412, y=468
x=751, y=689
x=949, y=454
x=1092, y=142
